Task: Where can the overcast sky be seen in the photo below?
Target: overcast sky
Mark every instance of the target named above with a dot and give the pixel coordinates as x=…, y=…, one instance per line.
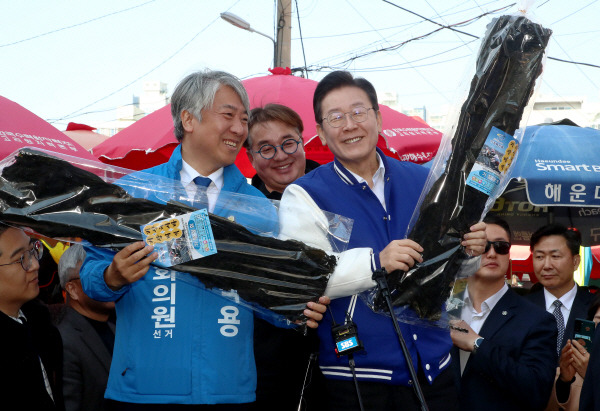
x=78, y=61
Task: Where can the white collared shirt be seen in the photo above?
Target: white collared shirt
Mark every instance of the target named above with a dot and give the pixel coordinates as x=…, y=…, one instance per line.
x=378, y=181
x=567, y=302
x=476, y=319
x=188, y=174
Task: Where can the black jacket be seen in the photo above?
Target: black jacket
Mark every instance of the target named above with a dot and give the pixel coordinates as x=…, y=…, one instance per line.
x=21, y=348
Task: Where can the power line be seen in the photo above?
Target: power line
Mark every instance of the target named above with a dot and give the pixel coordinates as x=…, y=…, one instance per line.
x=301, y=41
x=75, y=25
x=75, y=113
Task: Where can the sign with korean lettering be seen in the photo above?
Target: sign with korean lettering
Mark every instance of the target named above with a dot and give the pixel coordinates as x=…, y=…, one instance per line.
x=561, y=165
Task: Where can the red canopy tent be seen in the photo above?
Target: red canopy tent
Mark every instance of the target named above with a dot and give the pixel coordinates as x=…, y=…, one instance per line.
x=20, y=128
x=85, y=135
x=150, y=141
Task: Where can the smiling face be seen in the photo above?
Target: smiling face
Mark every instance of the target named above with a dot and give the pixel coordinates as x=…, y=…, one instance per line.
x=353, y=144
x=494, y=266
x=215, y=141
x=283, y=169
x=17, y=286
x=554, y=264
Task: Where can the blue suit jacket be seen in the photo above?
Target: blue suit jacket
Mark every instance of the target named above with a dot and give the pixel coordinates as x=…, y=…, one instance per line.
x=514, y=367
x=582, y=301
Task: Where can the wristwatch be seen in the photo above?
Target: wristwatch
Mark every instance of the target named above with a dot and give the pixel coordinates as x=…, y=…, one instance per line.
x=477, y=344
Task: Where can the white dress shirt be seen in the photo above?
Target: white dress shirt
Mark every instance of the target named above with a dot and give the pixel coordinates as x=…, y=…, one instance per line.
x=188, y=174
x=378, y=182
x=567, y=302
x=476, y=319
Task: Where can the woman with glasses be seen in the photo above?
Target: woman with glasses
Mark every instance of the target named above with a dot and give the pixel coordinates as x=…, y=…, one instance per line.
x=30, y=346
x=505, y=350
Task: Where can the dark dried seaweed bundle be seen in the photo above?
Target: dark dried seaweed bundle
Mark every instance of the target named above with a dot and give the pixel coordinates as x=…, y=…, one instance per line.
x=509, y=61
x=59, y=200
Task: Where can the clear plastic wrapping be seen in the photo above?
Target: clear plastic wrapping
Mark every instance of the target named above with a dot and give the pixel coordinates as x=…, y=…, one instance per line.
x=78, y=200
x=509, y=62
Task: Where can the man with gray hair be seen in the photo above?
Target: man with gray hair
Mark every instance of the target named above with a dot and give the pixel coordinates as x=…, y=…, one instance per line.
x=88, y=338
x=176, y=342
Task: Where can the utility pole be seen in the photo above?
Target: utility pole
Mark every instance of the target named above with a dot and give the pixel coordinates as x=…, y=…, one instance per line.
x=283, y=44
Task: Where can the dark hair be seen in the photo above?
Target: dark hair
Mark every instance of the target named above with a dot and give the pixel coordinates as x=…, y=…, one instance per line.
x=273, y=112
x=593, y=307
x=571, y=235
x=339, y=79
x=492, y=219
x=3, y=228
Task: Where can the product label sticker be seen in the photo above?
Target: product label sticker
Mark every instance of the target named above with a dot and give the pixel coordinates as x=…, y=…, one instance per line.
x=493, y=162
x=180, y=239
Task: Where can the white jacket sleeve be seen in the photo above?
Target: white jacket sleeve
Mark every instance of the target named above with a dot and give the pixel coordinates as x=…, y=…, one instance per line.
x=301, y=219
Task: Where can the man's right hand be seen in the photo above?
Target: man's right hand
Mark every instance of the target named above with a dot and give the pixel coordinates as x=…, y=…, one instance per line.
x=400, y=255
x=129, y=265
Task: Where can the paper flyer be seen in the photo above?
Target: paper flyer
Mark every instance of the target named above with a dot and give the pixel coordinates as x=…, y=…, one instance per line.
x=180, y=239
x=494, y=160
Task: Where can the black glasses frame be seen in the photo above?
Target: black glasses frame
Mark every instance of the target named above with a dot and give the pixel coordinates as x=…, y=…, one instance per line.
x=281, y=146
x=351, y=113
x=500, y=247
x=36, y=252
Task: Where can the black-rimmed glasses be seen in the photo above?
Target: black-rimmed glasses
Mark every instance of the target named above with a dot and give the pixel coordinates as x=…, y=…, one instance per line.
x=268, y=151
x=500, y=247
x=338, y=119
x=27, y=257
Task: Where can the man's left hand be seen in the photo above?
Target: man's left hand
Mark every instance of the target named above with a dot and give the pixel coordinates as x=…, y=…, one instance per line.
x=315, y=311
x=475, y=240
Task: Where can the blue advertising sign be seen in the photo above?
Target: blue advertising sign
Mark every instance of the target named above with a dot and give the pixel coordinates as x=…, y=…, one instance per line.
x=561, y=165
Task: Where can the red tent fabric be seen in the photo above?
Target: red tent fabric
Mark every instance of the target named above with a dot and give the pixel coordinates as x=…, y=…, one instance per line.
x=150, y=141
x=20, y=128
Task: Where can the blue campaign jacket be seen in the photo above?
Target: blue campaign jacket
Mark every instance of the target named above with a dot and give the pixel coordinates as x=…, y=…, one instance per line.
x=177, y=343
x=334, y=189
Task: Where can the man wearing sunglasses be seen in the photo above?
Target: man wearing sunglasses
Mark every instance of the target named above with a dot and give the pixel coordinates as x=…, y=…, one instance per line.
x=504, y=357
x=30, y=347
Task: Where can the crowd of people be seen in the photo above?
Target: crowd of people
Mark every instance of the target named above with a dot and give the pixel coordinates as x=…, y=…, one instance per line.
x=120, y=345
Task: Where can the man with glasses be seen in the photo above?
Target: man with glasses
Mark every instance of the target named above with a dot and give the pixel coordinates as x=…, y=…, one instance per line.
x=503, y=358
x=88, y=338
x=275, y=149
x=380, y=195
x=30, y=346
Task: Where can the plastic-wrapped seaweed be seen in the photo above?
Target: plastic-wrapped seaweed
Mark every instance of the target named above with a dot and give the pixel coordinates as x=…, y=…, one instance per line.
x=59, y=200
x=509, y=62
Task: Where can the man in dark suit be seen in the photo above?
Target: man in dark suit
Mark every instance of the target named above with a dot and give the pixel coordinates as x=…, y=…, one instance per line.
x=555, y=251
x=30, y=347
x=88, y=339
x=502, y=357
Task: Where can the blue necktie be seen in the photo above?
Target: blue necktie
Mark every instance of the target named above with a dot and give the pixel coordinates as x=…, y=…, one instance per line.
x=201, y=200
